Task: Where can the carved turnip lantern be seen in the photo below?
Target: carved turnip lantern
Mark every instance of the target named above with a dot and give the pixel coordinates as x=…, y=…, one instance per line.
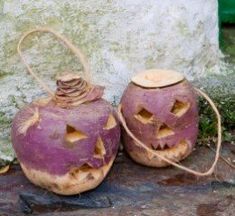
x=66, y=143
x=160, y=109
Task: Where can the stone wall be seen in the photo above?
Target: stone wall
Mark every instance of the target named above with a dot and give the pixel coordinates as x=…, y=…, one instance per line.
x=119, y=37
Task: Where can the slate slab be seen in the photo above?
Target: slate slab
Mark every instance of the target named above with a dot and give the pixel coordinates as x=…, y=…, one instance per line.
x=131, y=189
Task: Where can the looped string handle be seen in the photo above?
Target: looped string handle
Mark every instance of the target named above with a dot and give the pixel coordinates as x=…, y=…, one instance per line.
x=76, y=51
x=219, y=139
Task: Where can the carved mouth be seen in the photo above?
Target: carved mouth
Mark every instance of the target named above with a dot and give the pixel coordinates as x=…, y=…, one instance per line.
x=175, y=153
x=76, y=181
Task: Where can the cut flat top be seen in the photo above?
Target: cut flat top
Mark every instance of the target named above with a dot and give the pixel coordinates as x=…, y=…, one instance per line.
x=157, y=78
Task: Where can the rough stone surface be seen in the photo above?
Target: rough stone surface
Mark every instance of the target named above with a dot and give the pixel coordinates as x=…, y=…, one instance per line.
x=131, y=189
x=119, y=37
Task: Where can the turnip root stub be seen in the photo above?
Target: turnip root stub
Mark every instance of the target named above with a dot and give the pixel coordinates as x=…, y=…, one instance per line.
x=67, y=144
x=160, y=109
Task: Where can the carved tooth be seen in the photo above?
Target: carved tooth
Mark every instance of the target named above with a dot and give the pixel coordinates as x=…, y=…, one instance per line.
x=162, y=145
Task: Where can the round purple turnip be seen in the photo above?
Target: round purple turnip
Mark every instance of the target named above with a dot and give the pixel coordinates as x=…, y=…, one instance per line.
x=67, y=144
x=160, y=109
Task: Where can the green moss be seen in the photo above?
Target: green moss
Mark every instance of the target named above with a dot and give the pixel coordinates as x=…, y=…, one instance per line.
x=6, y=151
x=208, y=121
x=4, y=119
x=220, y=87
x=3, y=74
x=228, y=45
x=9, y=48
x=183, y=28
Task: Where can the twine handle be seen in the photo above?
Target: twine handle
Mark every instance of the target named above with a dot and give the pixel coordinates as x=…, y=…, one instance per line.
x=219, y=139
x=76, y=51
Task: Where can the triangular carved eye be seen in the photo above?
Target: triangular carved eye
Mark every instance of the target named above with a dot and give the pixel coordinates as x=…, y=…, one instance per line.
x=73, y=135
x=179, y=108
x=164, y=131
x=111, y=123
x=99, y=149
x=144, y=116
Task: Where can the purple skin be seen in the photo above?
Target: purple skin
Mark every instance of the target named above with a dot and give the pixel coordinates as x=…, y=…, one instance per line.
x=44, y=148
x=159, y=102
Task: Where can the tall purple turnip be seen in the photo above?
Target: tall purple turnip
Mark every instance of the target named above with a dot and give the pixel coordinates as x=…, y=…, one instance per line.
x=67, y=142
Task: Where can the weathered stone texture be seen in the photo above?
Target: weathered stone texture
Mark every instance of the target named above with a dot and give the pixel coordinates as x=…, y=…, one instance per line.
x=119, y=37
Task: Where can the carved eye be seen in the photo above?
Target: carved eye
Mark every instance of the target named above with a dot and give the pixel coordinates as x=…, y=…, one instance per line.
x=111, y=123
x=164, y=131
x=99, y=149
x=144, y=116
x=72, y=135
x=179, y=108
